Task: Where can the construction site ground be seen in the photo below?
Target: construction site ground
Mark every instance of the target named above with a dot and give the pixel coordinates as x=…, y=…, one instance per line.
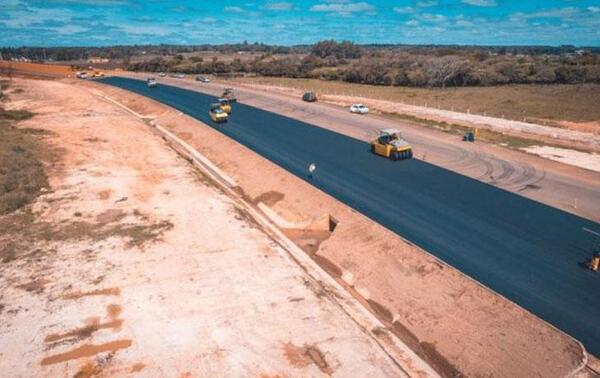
x=455, y=324
x=132, y=262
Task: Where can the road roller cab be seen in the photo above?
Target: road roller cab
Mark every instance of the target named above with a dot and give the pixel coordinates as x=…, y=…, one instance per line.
x=217, y=114
x=390, y=144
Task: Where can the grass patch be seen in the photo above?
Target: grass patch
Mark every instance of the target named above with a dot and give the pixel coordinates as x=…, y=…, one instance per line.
x=14, y=115
x=24, y=235
x=534, y=103
x=22, y=173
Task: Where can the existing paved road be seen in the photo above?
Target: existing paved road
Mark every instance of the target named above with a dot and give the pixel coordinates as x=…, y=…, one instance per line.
x=531, y=253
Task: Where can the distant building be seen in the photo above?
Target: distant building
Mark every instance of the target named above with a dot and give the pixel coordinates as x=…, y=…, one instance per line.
x=95, y=59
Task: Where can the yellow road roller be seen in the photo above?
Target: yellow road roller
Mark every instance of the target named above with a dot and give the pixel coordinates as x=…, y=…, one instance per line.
x=390, y=144
x=217, y=114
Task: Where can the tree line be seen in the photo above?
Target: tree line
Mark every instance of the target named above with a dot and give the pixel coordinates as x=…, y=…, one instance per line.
x=415, y=67
x=397, y=65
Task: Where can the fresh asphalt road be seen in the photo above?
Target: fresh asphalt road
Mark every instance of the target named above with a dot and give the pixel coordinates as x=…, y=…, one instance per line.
x=529, y=252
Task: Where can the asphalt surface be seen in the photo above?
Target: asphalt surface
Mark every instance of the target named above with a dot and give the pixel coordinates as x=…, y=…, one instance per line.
x=569, y=188
x=529, y=252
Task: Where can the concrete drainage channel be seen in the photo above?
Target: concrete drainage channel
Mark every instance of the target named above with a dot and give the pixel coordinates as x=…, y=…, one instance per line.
x=280, y=230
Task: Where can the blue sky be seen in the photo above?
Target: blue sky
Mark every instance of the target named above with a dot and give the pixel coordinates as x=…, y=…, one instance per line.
x=109, y=22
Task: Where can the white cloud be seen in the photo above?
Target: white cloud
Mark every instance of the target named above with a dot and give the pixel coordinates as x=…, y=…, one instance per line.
x=343, y=8
x=404, y=10
x=233, y=10
x=564, y=13
x=280, y=6
x=481, y=3
x=433, y=17
x=427, y=3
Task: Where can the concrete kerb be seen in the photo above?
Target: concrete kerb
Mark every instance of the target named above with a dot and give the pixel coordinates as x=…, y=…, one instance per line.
x=400, y=353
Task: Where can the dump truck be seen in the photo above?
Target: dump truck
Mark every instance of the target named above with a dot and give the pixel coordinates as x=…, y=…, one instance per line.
x=225, y=105
x=217, y=114
x=390, y=144
x=229, y=95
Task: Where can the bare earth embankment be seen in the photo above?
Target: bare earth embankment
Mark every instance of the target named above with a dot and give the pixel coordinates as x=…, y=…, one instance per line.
x=458, y=326
x=131, y=262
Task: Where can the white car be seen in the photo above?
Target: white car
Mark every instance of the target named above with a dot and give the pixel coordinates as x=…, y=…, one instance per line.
x=359, y=109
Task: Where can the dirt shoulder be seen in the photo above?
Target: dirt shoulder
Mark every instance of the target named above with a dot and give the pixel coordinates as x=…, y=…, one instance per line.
x=455, y=324
x=133, y=263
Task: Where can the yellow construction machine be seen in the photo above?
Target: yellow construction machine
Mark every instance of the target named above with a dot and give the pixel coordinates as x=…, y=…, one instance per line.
x=225, y=105
x=217, y=114
x=390, y=144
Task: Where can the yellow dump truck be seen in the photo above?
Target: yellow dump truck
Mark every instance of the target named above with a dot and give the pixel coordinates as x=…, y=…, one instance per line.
x=217, y=114
x=390, y=144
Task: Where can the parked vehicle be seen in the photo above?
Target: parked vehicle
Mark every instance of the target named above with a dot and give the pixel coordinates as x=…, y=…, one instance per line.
x=177, y=75
x=359, y=109
x=82, y=75
x=309, y=96
x=162, y=74
x=202, y=79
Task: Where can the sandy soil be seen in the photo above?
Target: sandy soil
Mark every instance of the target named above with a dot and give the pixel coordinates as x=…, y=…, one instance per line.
x=133, y=263
x=454, y=323
x=592, y=127
x=577, y=158
x=35, y=68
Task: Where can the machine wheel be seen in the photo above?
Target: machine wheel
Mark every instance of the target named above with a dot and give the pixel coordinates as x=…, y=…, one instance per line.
x=394, y=156
x=410, y=154
x=373, y=148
